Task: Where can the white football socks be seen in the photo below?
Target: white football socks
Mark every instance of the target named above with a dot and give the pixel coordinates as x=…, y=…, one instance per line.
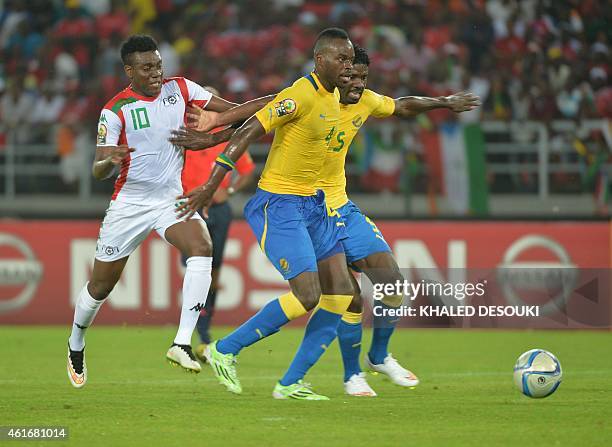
x=84, y=313
x=195, y=290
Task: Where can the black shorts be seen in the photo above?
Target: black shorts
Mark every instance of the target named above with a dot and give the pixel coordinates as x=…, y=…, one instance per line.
x=218, y=223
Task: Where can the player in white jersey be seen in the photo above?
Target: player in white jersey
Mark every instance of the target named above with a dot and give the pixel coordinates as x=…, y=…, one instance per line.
x=133, y=134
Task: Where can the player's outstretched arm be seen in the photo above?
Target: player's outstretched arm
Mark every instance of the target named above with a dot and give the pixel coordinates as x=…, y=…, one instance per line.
x=201, y=197
x=107, y=157
x=195, y=140
x=202, y=120
x=410, y=106
x=218, y=104
x=194, y=137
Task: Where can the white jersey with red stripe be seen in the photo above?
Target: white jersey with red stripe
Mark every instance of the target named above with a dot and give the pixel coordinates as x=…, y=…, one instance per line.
x=152, y=173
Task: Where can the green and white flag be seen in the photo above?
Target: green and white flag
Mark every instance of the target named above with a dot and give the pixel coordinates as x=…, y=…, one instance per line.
x=462, y=155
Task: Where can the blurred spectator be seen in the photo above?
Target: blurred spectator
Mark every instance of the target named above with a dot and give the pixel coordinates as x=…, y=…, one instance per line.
x=45, y=115
x=543, y=103
x=498, y=104
x=15, y=108
x=96, y=7
x=66, y=66
x=170, y=58
x=559, y=70
x=570, y=99
x=519, y=98
x=115, y=22
x=500, y=12
x=141, y=13
x=417, y=55
x=13, y=13
x=25, y=41
x=72, y=129
x=603, y=100
x=75, y=23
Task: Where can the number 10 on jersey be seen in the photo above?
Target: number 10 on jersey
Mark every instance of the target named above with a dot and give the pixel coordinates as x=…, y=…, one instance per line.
x=140, y=119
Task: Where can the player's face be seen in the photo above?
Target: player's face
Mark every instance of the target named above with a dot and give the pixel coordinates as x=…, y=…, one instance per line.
x=145, y=72
x=336, y=61
x=351, y=93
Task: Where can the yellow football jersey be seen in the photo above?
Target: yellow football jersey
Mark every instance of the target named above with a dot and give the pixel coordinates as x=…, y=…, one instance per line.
x=305, y=117
x=352, y=117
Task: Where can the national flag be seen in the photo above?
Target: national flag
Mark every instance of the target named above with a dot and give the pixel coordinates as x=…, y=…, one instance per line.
x=455, y=154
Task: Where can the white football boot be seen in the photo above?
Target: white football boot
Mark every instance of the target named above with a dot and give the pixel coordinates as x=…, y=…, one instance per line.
x=182, y=355
x=396, y=372
x=357, y=385
x=77, y=368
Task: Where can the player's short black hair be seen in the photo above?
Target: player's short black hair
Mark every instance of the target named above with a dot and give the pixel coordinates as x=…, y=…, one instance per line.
x=361, y=56
x=332, y=33
x=329, y=34
x=138, y=43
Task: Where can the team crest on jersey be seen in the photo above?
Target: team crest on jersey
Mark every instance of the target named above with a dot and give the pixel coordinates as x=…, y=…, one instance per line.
x=284, y=264
x=357, y=121
x=171, y=100
x=285, y=107
x=102, y=132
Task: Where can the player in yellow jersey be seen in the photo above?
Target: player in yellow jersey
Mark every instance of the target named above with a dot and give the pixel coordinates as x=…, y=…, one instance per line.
x=365, y=247
x=290, y=219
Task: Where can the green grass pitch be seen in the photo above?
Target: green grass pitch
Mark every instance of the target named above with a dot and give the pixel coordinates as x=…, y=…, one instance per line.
x=466, y=396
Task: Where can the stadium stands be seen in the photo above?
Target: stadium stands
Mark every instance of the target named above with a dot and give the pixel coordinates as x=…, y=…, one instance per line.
x=542, y=68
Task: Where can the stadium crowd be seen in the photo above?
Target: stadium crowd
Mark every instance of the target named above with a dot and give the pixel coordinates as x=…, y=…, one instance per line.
x=527, y=59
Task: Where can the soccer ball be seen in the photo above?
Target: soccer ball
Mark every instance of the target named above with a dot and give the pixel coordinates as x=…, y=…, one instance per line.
x=537, y=373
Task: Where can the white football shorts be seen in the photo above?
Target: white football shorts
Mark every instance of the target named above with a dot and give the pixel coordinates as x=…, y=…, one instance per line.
x=126, y=226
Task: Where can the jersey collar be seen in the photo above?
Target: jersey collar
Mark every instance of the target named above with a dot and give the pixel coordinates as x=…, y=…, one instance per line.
x=142, y=97
x=317, y=81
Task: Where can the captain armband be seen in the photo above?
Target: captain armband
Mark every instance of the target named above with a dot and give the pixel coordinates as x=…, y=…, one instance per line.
x=225, y=162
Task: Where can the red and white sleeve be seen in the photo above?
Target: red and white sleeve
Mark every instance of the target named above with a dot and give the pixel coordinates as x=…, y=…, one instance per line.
x=197, y=94
x=109, y=128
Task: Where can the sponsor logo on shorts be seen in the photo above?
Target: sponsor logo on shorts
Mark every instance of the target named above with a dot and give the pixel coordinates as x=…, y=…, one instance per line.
x=285, y=107
x=108, y=250
x=284, y=265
